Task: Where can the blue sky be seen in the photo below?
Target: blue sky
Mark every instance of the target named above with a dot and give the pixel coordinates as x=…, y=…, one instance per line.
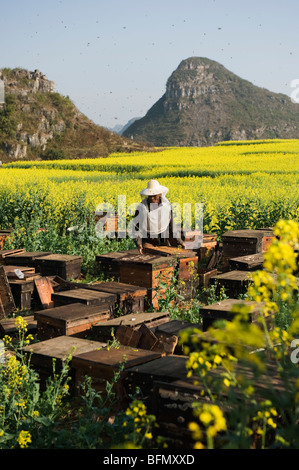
x=113, y=58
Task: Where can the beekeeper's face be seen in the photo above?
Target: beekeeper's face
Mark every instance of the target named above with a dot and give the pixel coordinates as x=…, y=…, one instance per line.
x=154, y=199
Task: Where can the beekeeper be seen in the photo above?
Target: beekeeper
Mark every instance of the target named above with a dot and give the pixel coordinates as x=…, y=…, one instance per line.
x=153, y=220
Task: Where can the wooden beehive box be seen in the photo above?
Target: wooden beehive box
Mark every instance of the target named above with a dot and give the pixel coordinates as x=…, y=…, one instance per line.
x=22, y=291
x=86, y=297
x=244, y=242
x=66, y=266
x=109, y=262
x=130, y=298
x=173, y=408
x=208, y=245
x=223, y=310
x=101, y=365
x=5, y=253
x=109, y=221
x=25, y=258
x=247, y=262
x=42, y=354
x=102, y=331
x=69, y=320
x=166, y=369
x=235, y=283
x=148, y=271
x=186, y=265
x=7, y=303
x=8, y=326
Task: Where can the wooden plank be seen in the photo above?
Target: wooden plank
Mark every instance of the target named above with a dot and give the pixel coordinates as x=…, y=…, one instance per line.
x=45, y=291
x=168, y=335
x=25, y=269
x=168, y=251
x=148, y=339
x=102, y=331
x=204, y=275
x=7, y=303
x=127, y=336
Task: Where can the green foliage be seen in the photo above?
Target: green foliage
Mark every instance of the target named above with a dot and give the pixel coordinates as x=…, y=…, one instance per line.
x=8, y=119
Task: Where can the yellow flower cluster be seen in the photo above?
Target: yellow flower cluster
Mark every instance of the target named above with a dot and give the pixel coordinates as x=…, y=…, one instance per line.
x=277, y=282
x=249, y=180
x=15, y=373
x=24, y=439
x=211, y=419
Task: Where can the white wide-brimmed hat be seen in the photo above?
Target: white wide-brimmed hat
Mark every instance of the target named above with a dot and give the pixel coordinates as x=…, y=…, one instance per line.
x=153, y=188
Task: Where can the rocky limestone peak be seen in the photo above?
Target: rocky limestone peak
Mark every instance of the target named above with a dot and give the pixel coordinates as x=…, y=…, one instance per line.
x=205, y=103
x=37, y=122
x=22, y=81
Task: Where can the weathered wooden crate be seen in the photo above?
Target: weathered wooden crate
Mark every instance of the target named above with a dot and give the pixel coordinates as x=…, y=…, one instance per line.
x=244, y=242
x=7, y=303
x=186, y=265
x=29, y=272
x=204, y=275
x=101, y=365
x=8, y=326
x=173, y=408
x=171, y=330
x=223, y=310
x=102, y=331
x=25, y=258
x=192, y=238
x=42, y=354
x=22, y=291
x=86, y=297
x=109, y=222
x=148, y=271
x=235, y=282
x=69, y=320
x=207, y=248
x=109, y=262
x=66, y=266
x=130, y=298
x=5, y=253
x=167, y=369
x=247, y=262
